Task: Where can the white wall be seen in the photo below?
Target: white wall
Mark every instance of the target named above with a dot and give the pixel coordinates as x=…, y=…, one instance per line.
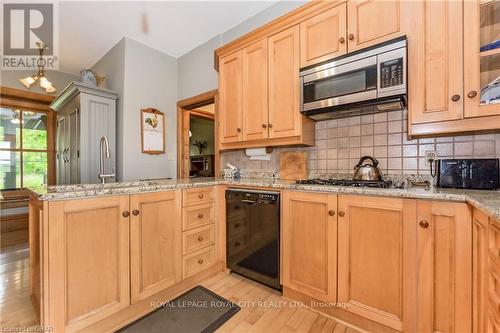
x=150, y=81
x=112, y=67
x=196, y=69
x=59, y=79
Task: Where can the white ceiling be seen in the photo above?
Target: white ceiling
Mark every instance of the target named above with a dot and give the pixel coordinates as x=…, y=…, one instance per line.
x=89, y=29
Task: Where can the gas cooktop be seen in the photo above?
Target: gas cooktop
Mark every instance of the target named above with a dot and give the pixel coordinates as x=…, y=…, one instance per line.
x=347, y=182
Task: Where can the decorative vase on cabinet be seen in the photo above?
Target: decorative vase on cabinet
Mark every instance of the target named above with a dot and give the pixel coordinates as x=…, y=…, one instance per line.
x=85, y=113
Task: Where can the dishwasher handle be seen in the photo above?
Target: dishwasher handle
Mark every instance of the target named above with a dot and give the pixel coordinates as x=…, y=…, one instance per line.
x=249, y=202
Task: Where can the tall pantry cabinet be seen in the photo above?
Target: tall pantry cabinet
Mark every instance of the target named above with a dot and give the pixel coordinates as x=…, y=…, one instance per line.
x=85, y=113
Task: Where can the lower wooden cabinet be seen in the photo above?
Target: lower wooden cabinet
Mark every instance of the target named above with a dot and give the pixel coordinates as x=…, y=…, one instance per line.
x=309, y=236
x=155, y=242
x=376, y=251
x=87, y=261
x=444, y=254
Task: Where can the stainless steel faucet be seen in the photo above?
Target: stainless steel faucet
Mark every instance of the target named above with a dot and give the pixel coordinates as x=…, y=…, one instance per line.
x=104, y=153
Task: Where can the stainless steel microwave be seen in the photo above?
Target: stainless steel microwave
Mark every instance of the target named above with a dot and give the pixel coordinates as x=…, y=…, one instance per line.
x=367, y=81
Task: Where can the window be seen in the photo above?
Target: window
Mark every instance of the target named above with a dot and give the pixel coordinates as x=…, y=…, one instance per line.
x=24, y=151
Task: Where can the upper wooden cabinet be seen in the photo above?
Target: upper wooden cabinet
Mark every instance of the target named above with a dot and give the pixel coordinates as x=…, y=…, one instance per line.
x=376, y=247
x=310, y=244
x=373, y=21
x=155, y=242
x=323, y=37
x=444, y=256
x=284, y=114
x=230, y=97
x=448, y=74
x=255, y=102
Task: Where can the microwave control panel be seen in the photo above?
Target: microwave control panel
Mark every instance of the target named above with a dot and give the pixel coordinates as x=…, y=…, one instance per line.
x=391, y=73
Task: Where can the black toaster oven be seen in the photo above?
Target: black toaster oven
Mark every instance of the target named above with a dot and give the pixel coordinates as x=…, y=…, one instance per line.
x=468, y=173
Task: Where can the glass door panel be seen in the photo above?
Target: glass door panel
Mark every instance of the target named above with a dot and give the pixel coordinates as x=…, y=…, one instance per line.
x=489, y=38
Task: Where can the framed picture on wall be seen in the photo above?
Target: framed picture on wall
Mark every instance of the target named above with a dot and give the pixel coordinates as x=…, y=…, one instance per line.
x=152, y=131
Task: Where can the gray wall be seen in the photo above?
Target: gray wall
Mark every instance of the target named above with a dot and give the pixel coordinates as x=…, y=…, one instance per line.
x=196, y=69
x=59, y=79
x=112, y=67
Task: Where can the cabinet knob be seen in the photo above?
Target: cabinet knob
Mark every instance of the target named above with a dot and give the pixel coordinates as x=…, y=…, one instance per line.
x=331, y=212
x=200, y=195
x=126, y=213
x=351, y=36
x=200, y=215
x=455, y=98
x=423, y=224
x=135, y=212
x=270, y=125
x=238, y=129
x=200, y=261
x=341, y=213
x=341, y=40
x=472, y=94
x=264, y=126
x=200, y=238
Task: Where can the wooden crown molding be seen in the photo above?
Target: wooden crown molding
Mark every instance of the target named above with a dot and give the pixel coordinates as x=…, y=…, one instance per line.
x=286, y=21
x=13, y=93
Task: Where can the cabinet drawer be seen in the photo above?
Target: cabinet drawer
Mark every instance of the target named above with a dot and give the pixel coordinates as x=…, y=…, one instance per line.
x=198, y=261
x=193, y=217
x=196, y=239
x=197, y=196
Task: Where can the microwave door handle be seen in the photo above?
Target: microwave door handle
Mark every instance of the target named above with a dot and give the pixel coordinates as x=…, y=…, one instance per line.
x=341, y=69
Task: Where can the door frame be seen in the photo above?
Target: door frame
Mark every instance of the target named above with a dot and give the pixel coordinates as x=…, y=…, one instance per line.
x=185, y=109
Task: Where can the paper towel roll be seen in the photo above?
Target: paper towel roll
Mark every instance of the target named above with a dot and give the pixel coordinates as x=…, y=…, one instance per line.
x=258, y=154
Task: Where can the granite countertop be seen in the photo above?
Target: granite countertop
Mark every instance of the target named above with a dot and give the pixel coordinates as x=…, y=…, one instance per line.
x=487, y=201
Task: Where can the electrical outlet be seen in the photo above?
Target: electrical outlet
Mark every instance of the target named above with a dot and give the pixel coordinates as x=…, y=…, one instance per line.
x=430, y=155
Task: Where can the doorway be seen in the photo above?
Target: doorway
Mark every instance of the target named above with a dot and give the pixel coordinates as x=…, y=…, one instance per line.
x=197, y=145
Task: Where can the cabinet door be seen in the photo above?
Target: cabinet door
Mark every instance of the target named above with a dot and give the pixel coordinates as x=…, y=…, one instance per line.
x=373, y=21
x=480, y=271
x=89, y=261
x=444, y=250
x=74, y=146
x=61, y=135
x=155, y=242
x=323, y=36
x=493, y=307
x=284, y=112
x=481, y=61
x=255, y=102
x=435, y=62
x=230, y=97
x=376, y=242
x=310, y=244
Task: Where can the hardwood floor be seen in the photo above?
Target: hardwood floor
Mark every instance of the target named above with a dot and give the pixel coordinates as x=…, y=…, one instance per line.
x=262, y=309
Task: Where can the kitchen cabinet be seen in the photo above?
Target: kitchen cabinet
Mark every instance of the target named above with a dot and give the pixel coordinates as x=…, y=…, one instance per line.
x=309, y=236
x=155, y=242
x=230, y=98
x=376, y=247
x=371, y=22
x=323, y=36
x=480, y=271
x=89, y=261
x=444, y=255
x=284, y=115
x=84, y=114
x=449, y=74
x=255, y=91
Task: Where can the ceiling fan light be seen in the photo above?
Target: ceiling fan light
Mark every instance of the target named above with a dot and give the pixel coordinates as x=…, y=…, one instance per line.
x=28, y=81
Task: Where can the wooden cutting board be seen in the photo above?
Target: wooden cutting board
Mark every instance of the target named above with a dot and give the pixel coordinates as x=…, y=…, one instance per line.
x=293, y=165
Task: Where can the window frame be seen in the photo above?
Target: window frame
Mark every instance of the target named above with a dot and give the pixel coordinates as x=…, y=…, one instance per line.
x=28, y=101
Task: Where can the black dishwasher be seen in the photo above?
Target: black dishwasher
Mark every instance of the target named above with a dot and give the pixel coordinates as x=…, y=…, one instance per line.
x=253, y=235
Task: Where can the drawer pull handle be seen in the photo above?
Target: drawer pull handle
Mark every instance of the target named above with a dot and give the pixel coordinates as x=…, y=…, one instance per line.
x=200, y=195
x=351, y=36
x=423, y=224
x=200, y=238
x=270, y=125
x=472, y=94
x=200, y=216
x=126, y=213
x=455, y=98
x=331, y=212
x=238, y=130
x=237, y=225
x=341, y=213
x=341, y=40
x=135, y=212
x=237, y=244
x=200, y=261
x=264, y=126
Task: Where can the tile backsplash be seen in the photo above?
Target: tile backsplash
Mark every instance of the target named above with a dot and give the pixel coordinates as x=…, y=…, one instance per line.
x=340, y=144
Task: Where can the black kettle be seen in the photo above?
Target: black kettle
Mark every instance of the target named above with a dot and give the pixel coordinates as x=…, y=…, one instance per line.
x=368, y=171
